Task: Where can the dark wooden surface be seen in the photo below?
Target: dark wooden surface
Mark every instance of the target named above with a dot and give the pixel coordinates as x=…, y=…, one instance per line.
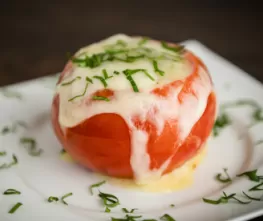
x=35, y=35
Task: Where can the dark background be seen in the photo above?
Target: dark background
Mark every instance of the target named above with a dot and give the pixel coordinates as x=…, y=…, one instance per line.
x=35, y=35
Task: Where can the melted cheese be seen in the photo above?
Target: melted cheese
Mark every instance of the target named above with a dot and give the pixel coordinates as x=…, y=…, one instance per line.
x=180, y=178
x=127, y=103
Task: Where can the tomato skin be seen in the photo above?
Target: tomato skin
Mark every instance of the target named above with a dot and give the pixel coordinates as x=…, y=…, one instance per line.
x=102, y=142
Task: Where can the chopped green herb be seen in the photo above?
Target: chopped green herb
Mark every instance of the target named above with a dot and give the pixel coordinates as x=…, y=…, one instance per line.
x=89, y=80
x=109, y=200
x=143, y=41
x=243, y=102
x=107, y=210
x=96, y=185
x=11, y=192
x=127, y=211
x=14, y=162
x=71, y=82
x=256, y=188
x=132, y=82
x=100, y=98
x=134, y=71
x=31, y=145
x=172, y=205
x=176, y=49
x=105, y=74
x=13, y=128
x=129, y=218
x=65, y=196
x=103, y=81
x=93, y=61
x=223, y=180
x=221, y=122
x=156, y=69
x=116, y=72
x=2, y=153
x=224, y=199
x=6, y=130
x=80, y=95
x=257, y=114
x=52, y=199
x=251, y=198
x=122, y=43
x=167, y=217
x=252, y=175
x=15, y=208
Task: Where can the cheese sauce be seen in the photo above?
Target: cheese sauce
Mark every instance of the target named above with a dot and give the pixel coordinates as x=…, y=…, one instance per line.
x=128, y=103
x=179, y=179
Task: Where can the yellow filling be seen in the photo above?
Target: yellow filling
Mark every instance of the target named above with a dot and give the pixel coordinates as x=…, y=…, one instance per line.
x=180, y=178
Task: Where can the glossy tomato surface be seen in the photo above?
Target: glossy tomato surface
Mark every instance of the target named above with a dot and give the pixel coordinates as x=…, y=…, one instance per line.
x=102, y=142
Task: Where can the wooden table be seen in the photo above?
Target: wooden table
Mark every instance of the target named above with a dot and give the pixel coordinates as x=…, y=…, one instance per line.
x=35, y=35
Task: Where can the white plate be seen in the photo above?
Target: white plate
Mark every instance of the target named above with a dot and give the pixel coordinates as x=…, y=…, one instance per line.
x=40, y=177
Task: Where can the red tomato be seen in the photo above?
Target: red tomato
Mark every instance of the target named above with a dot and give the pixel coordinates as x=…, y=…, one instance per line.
x=102, y=142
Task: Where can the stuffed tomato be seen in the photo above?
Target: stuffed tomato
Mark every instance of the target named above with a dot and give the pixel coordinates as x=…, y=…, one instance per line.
x=133, y=107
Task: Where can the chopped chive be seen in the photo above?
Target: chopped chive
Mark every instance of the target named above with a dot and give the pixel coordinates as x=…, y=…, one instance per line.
x=221, y=122
x=215, y=202
x=223, y=180
x=156, y=68
x=109, y=200
x=242, y=102
x=176, y=49
x=2, y=153
x=105, y=74
x=167, y=217
x=251, y=198
x=172, y=205
x=15, y=208
x=13, y=128
x=224, y=199
x=143, y=41
x=127, y=211
x=133, y=84
x=107, y=210
x=65, y=196
x=96, y=185
x=100, y=98
x=81, y=95
x=52, y=199
x=6, y=130
x=116, y=72
x=31, y=145
x=89, y=80
x=103, y=81
x=258, y=115
x=134, y=71
x=71, y=82
x=122, y=43
x=14, y=162
x=11, y=192
x=252, y=175
x=256, y=188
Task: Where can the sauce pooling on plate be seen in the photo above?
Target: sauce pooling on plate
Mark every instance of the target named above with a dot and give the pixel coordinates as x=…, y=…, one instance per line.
x=132, y=107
